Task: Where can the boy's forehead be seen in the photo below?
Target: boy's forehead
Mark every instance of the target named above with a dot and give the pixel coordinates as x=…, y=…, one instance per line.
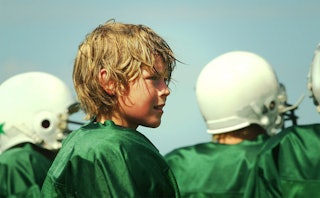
x=159, y=64
x=160, y=67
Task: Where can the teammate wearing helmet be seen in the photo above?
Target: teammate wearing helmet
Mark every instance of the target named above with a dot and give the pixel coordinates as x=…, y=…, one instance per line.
x=289, y=163
x=33, y=121
x=241, y=100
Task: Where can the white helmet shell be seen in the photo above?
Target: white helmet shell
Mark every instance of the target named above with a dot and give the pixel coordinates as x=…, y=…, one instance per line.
x=314, y=78
x=32, y=105
x=237, y=89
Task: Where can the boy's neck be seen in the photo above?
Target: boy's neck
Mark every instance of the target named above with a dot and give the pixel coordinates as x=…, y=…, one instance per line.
x=235, y=137
x=116, y=119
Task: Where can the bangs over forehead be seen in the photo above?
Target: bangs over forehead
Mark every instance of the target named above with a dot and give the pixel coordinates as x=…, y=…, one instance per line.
x=126, y=47
x=145, y=46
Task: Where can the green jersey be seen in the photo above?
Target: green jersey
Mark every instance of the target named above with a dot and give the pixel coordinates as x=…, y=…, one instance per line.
x=213, y=169
x=289, y=165
x=106, y=160
x=22, y=172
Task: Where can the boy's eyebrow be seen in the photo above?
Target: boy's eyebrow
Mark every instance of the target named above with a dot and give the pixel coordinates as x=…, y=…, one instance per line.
x=163, y=73
x=155, y=70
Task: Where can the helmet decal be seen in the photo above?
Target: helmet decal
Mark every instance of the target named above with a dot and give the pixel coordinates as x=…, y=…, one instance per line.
x=1, y=129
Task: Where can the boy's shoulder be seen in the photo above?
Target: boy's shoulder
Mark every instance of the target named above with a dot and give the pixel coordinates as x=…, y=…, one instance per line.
x=104, y=132
x=297, y=131
x=24, y=157
x=103, y=138
x=297, y=135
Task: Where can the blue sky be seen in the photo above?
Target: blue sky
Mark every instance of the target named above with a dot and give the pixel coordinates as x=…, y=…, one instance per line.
x=39, y=35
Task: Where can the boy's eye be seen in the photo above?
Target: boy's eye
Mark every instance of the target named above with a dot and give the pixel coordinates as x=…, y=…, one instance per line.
x=153, y=77
x=158, y=79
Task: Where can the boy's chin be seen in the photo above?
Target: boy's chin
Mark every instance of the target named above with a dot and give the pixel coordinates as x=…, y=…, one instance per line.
x=152, y=125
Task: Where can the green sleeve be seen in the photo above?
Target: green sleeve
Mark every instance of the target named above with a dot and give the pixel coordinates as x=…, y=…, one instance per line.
x=22, y=172
x=288, y=165
x=15, y=184
x=84, y=178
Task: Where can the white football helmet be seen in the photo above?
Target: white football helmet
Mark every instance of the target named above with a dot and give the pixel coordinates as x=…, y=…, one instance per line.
x=237, y=89
x=34, y=108
x=314, y=78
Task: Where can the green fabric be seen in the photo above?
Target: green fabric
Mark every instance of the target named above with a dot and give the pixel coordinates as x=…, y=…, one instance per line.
x=22, y=172
x=212, y=169
x=289, y=165
x=105, y=160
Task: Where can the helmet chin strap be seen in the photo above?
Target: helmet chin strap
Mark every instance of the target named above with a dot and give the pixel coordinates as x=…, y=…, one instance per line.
x=24, y=129
x=36, y=137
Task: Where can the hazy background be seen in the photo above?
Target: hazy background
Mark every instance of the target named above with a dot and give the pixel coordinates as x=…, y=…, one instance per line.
x=39, y=35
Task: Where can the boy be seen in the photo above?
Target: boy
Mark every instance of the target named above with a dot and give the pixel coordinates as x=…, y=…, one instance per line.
x=121, y=75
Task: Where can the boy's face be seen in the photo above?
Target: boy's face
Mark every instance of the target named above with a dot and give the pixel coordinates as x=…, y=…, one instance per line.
x=144, y=102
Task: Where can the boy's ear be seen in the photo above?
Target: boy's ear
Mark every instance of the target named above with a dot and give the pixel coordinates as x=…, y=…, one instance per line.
x=107, y=84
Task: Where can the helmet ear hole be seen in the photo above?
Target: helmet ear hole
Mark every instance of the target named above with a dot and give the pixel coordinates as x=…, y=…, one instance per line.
x=269, y=107
x=45, y=123
x=272, y=105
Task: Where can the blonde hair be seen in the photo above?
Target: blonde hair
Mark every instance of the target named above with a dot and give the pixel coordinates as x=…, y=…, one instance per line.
x=121, y=49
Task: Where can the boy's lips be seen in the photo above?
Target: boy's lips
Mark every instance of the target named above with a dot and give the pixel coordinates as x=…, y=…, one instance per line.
x=159, y=107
